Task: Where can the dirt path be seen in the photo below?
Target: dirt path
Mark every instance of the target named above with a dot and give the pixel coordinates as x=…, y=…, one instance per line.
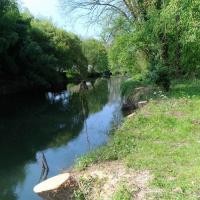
x=102, y=180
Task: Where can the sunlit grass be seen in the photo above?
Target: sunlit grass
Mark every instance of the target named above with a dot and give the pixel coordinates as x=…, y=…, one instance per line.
x=163, y=137
x=122, y=193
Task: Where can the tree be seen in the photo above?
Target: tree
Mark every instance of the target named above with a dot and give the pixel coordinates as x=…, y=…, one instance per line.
x=167, y=34
x=96, y=54
x=35, y=53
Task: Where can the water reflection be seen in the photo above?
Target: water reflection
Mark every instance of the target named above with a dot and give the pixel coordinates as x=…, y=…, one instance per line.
x=62, y=97
x=62, y=125
x=42, y=161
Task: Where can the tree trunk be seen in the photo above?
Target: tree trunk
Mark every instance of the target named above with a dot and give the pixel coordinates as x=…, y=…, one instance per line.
x=178, y=47
x=163, y=38
x=60, y=187
x=165, y=48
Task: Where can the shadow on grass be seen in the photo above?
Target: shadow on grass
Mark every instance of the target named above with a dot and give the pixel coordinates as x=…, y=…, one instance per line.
x=187, y=88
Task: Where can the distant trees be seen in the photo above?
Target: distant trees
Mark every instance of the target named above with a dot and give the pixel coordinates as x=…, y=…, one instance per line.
x=123, y=57
x=96, y=55
x=65, y=48
x=164, y=32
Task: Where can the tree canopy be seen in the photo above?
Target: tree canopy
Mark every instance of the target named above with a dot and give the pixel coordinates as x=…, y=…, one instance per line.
x=34, y=52
x=164, y=33
x=153, y=38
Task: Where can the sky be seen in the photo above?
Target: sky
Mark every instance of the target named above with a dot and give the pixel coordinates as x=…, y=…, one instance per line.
x=52, y=9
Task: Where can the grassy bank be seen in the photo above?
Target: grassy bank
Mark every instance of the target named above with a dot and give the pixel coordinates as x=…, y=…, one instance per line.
x=164, y=138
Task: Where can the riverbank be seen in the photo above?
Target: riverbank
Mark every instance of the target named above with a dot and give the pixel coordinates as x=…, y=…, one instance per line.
x=163, y=139
x=23, y=86
x=12, y=87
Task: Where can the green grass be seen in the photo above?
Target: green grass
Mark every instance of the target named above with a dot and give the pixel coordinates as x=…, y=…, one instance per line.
x=122, y=193
x=163, y=137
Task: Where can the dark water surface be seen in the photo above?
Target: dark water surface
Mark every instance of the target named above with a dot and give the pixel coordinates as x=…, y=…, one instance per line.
x=62, y=125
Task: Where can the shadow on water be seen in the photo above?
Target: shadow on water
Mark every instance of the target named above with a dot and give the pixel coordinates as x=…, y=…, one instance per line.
x=32, y=124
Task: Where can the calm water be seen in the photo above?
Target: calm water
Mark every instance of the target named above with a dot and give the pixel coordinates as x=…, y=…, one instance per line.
x=62, y=125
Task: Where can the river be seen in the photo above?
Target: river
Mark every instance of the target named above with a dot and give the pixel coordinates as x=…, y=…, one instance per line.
x=63, y=125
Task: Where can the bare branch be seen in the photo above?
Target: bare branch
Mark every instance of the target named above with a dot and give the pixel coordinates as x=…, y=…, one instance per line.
x=95, y=9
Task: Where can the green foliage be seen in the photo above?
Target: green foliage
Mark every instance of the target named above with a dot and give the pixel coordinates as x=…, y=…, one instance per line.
x=165, y=33
x=129, y=85
x=96, y=55
x=124, y=57
x=188, y=26
x=34, y=52
x=160, y=75
x=118, y=26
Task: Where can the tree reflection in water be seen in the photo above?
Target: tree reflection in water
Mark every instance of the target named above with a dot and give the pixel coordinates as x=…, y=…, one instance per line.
x=32, y=123
x=41, y=159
